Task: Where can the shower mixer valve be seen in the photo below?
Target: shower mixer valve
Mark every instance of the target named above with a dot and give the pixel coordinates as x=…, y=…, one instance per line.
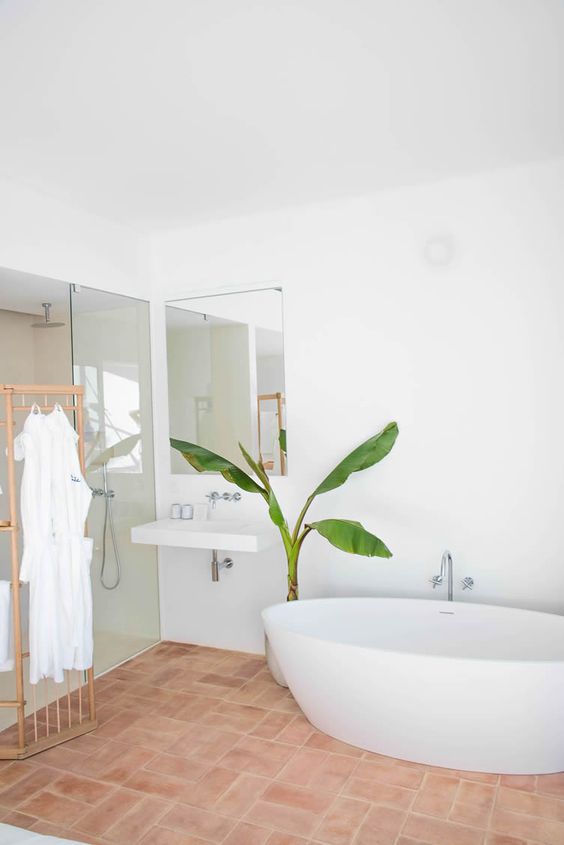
x=99, y=491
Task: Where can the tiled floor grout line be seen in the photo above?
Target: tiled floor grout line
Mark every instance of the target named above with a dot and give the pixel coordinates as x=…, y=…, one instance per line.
x=130, y=812
x=338, y=795
x=410, y=808
x=517, y=813
x=453, y=803
x=271, y=780
x=491, y=811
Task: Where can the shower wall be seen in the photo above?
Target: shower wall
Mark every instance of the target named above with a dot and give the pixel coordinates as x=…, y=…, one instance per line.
x=111, y=353
x=33, y=356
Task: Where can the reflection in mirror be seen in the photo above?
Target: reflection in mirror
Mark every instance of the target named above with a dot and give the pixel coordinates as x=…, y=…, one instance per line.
x=226, y=376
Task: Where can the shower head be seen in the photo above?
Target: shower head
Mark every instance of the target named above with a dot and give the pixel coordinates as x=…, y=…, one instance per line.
x=47, y=323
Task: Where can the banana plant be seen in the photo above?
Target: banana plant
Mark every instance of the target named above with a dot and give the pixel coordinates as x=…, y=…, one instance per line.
x=344, y=534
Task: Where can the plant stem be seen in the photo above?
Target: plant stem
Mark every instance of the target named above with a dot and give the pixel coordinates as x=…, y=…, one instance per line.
x=293, y=572
x=292, y=591
x=293, y=558
x=301, y=518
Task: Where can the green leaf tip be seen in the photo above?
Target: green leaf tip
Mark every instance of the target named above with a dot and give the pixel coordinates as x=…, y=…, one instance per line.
x=364, y=456
x=350, y=536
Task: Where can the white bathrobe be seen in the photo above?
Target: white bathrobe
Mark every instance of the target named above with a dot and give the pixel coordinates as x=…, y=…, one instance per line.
x=70, y=503
x=38, y=561
x=34, y=446
x=56, y=559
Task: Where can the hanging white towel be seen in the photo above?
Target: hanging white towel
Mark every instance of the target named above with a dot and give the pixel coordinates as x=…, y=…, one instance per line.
x=6, y=649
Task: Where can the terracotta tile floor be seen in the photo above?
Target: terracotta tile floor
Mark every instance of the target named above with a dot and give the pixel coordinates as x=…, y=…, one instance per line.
x=199, y=746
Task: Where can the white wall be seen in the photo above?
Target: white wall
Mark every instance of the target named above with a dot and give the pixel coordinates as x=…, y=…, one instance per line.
x=467, y=357
x=44, y=236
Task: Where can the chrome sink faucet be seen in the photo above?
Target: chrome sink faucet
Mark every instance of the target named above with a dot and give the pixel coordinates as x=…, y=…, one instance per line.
x=447, y=570
x=227, y=497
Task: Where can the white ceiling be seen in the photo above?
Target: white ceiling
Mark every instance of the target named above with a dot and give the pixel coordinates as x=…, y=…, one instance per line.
x=154, y=112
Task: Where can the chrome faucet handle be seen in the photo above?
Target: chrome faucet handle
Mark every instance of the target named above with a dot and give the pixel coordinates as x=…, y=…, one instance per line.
x=436, y=581
x=230, y=497
x=467, y=583
x=213, y=497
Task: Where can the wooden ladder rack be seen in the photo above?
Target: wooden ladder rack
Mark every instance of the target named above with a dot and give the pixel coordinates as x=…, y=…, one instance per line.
x=280, y=400
x=35, y=732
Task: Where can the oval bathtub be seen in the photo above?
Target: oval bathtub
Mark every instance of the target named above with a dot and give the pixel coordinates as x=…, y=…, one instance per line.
x=465, y=686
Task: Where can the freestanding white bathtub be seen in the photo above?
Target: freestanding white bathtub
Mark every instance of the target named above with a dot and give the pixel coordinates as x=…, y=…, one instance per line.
x=465, y=686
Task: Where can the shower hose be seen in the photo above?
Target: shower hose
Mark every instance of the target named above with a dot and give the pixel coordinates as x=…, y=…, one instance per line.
x=108, y=520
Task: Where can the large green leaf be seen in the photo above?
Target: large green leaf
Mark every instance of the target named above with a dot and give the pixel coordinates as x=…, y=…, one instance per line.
x=274, y=510
x=350, y=536
x=203, y=460
x=282, y=440
x=364, y=456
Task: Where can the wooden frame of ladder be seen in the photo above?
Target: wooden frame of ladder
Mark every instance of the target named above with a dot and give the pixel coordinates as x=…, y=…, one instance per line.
x=40, y=729
x=280, y=400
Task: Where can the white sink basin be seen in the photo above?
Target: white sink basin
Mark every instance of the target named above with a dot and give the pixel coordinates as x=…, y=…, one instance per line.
x=233, y=535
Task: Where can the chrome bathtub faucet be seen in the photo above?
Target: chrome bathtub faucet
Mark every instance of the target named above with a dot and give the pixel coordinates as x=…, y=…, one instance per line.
x=447, y=570
x=227, y=497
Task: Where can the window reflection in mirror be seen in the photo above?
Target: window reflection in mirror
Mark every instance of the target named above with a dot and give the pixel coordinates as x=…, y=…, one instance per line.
x=226, y=376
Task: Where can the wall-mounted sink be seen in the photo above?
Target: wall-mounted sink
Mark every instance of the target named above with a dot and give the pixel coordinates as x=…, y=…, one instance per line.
x=234, y=535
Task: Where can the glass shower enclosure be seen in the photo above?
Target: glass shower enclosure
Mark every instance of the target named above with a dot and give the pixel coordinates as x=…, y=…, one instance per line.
x=111, y=359
x=101, y=341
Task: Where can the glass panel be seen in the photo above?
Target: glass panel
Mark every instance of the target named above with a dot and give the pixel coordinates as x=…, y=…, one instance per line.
x=111, y=355
x=226, y=376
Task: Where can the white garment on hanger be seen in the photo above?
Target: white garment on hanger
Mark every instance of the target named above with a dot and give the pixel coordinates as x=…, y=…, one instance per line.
x=34, y=445
x=38, y=561
x=6, y=648
x=71, y=498
x=56, y=561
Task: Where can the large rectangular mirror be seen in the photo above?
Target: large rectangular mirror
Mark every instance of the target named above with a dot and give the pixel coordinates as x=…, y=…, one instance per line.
x=226, y=376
